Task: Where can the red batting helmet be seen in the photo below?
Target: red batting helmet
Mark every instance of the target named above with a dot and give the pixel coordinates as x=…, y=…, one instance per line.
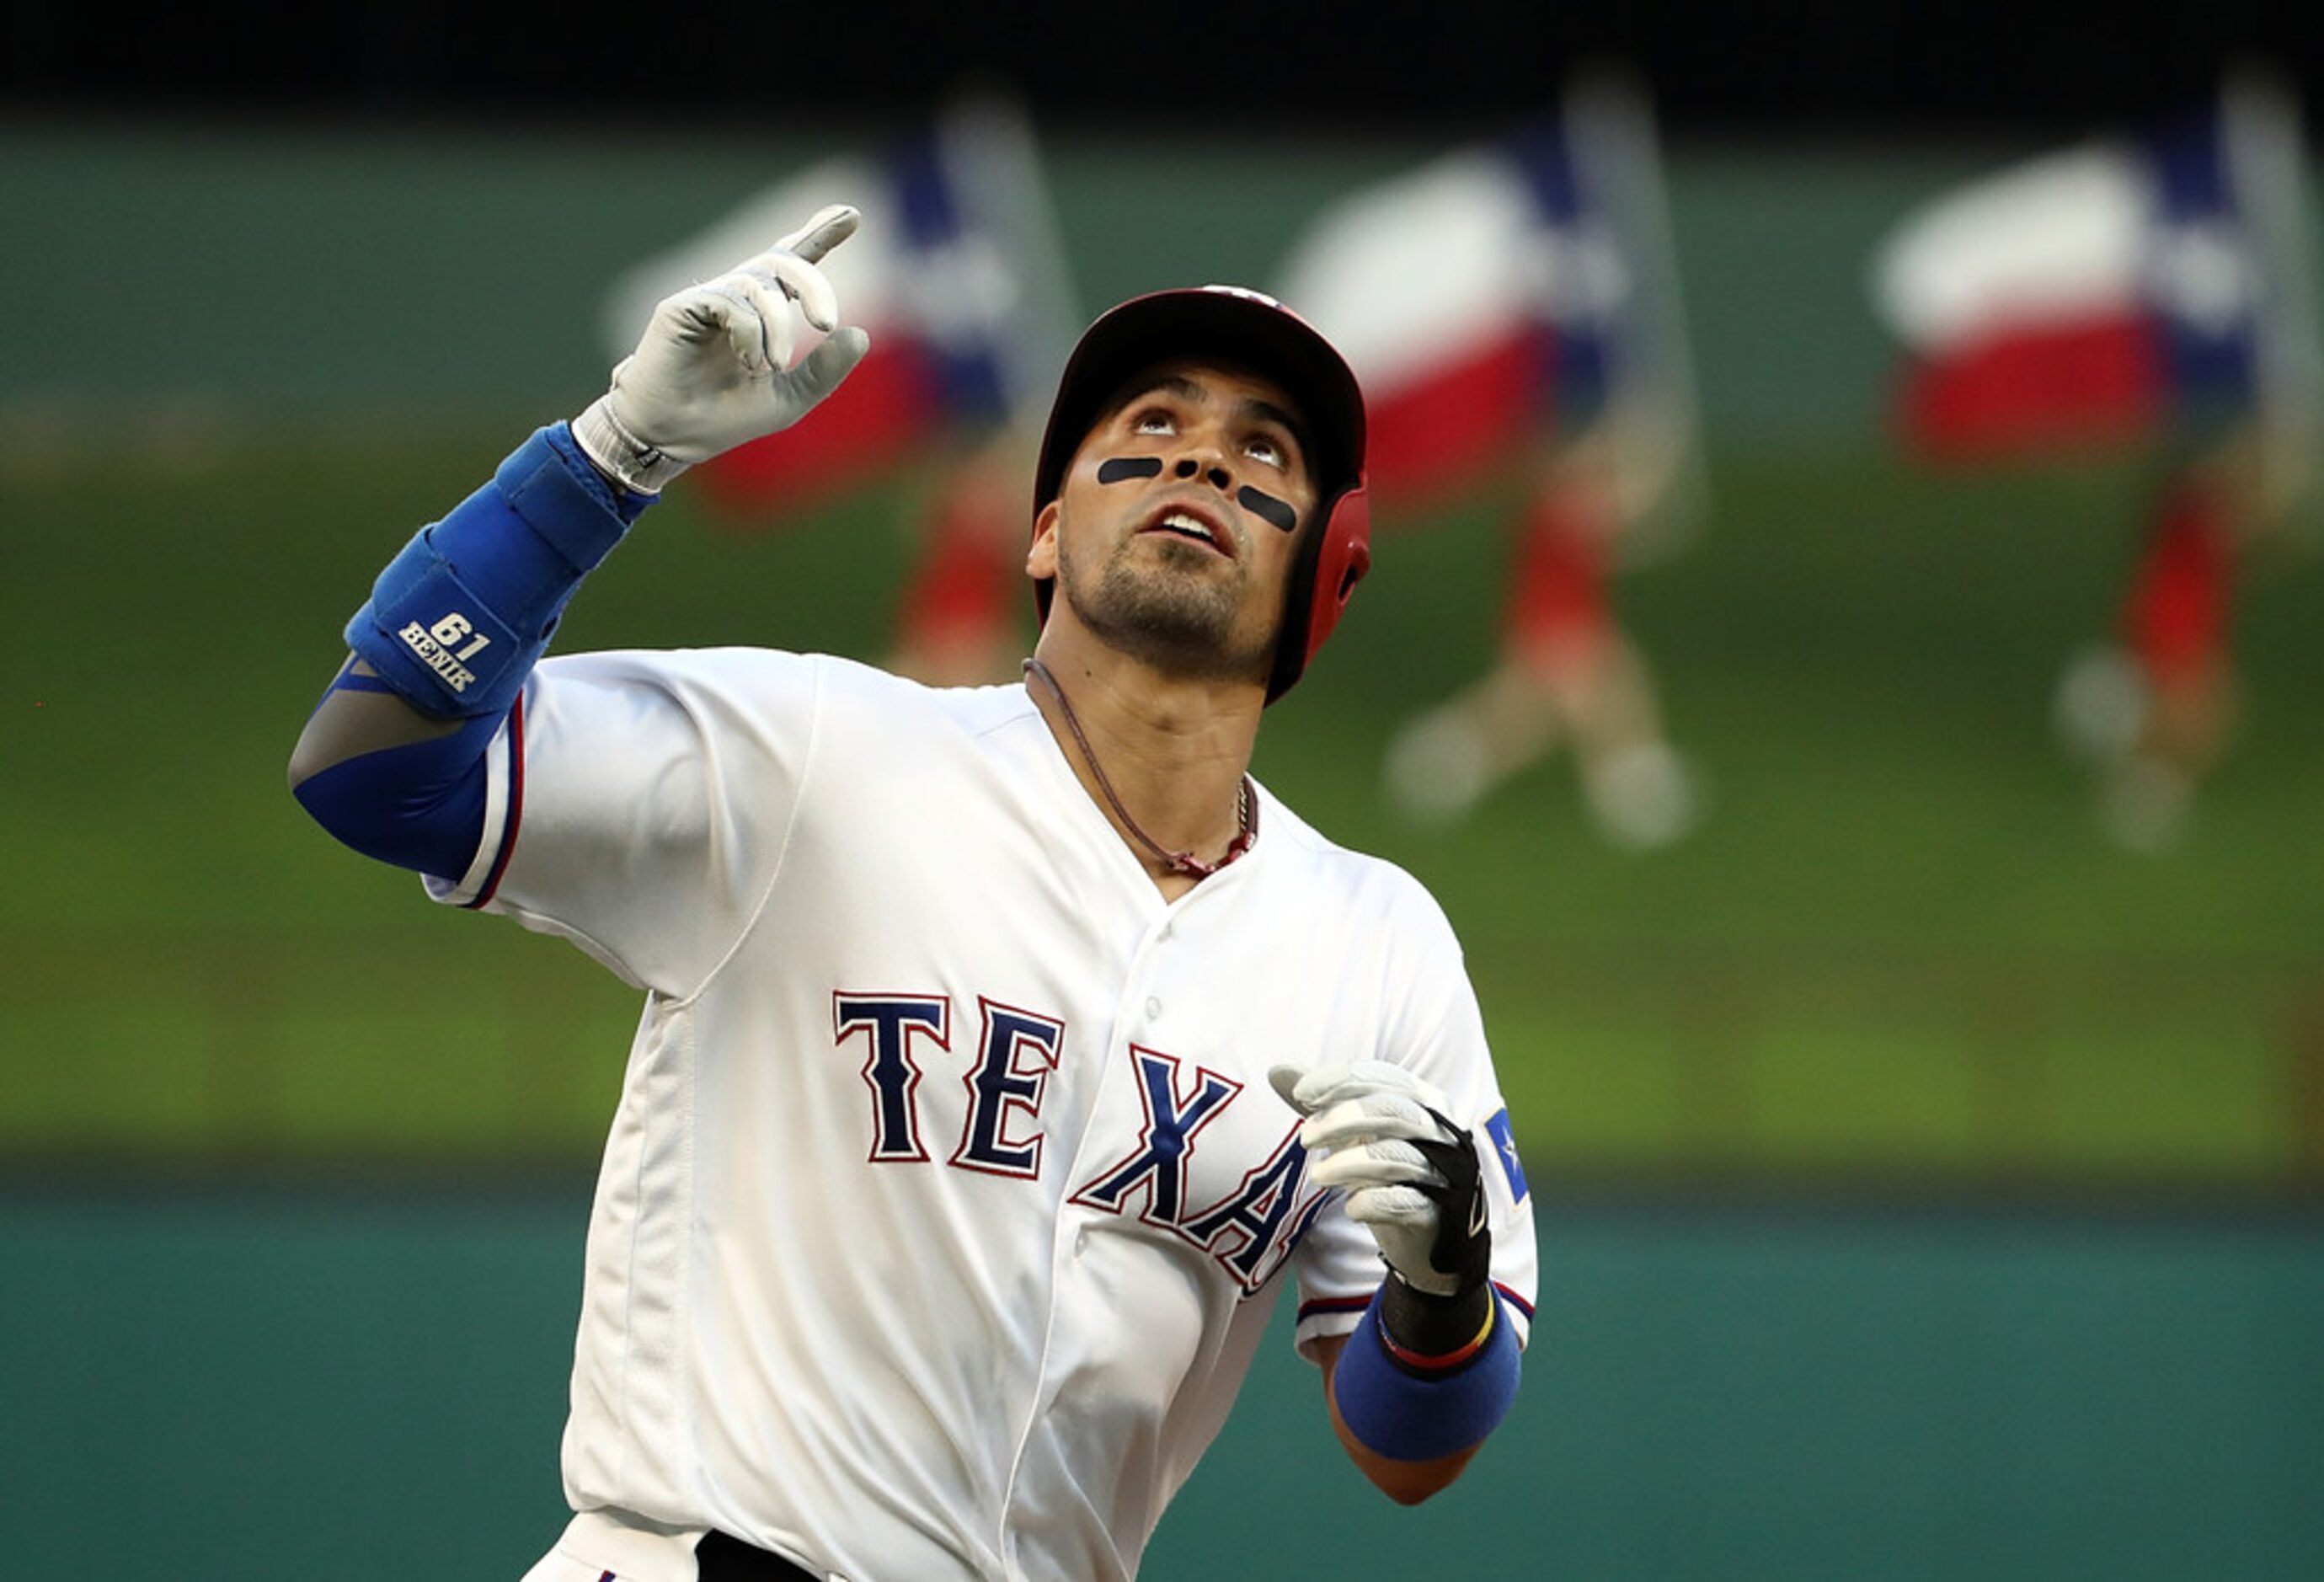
x=1254, y=332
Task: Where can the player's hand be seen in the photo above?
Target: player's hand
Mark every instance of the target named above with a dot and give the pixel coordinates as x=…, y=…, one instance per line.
x=1382, y=1135
x=714, y=369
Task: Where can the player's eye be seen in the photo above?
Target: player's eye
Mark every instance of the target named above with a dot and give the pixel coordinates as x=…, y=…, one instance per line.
x=1267, y=450
x=1152, y=421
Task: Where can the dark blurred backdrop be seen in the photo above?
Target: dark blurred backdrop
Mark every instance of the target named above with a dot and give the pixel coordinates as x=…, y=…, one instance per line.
x=1812, y=67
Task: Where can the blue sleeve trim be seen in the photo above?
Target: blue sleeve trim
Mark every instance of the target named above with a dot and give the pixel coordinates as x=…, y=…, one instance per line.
x=1408, y=1418
x=457, y=620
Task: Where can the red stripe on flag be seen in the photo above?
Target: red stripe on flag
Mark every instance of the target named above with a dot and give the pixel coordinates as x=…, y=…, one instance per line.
x=2031, y=389
x=1434, y=434
x=867, y=424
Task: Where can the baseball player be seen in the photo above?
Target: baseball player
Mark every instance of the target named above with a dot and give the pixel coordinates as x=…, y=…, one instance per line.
x=1002, y=1048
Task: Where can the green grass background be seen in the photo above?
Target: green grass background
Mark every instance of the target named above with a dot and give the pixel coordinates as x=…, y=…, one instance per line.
x=1899, y=947
x=242, y=363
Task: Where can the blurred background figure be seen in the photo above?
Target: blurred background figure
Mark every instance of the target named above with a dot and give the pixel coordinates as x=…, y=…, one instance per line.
x=2150, y=293
x=963, y=284
x=1513, y=311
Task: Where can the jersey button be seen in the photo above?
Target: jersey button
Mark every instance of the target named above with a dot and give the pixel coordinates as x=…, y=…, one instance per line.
x=1081, y=1243
x=1153, y=1009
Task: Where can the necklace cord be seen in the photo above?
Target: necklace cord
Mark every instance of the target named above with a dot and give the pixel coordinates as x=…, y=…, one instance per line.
x=1176, y=862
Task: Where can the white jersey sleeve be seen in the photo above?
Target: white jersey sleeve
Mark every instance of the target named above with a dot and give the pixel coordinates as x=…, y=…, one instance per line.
x=1433, y=1027
x=641, y=803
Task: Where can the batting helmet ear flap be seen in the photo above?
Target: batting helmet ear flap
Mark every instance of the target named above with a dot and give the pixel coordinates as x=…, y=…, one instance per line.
x=1322, y=581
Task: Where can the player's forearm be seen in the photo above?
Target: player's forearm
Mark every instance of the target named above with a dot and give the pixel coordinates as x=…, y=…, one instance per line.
x=1432, y=1368
x=456, y=620
x=1411, y=1420
x=1408, y=1483
x=392, y=761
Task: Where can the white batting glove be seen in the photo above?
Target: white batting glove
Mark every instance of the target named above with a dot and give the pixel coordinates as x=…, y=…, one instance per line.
x=1382, y=1135
x=713, y=368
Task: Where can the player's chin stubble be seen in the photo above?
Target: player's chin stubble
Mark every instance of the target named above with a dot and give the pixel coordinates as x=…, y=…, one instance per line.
x=1171, y=618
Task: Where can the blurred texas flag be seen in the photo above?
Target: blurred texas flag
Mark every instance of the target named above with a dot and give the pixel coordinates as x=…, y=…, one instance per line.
x=1503, y=292
x=2107, y=294
x=957, y=272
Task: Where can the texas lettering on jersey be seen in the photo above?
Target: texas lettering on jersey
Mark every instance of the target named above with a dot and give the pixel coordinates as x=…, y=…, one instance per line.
x=1248, y=1230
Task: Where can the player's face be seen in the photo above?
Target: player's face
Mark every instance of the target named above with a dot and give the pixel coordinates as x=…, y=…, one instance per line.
x=1175, y=530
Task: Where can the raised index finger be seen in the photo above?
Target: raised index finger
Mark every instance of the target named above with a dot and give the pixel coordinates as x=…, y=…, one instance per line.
x=831, y=226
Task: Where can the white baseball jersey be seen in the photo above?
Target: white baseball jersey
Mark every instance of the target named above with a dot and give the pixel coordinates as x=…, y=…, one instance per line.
x=947, y=1198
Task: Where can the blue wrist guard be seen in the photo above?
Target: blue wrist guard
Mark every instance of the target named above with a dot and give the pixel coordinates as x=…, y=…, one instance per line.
x=458, y=619
x=1406, y=1415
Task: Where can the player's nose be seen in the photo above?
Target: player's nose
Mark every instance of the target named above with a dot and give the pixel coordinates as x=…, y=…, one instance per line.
x=1205, y=463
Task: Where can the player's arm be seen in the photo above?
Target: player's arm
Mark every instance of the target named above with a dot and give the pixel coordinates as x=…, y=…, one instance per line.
x=1408, y=1483
x=393, y=760
x=1433, y=1366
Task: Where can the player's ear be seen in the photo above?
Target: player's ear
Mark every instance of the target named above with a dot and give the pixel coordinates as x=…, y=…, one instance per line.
x=1041, y=558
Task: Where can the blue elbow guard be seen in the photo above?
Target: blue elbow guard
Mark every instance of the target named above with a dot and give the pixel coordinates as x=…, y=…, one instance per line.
x=458, y=619
x=1406, y=1416
x=420, y=806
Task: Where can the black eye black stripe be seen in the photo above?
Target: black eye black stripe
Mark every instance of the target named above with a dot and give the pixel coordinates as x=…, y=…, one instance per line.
x=1267, y=507
x=1115, y=469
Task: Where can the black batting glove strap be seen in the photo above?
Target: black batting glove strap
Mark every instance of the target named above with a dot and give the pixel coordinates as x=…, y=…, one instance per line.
x=1465, y=1245
x=1424, y=1325
x=1430, y=1337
